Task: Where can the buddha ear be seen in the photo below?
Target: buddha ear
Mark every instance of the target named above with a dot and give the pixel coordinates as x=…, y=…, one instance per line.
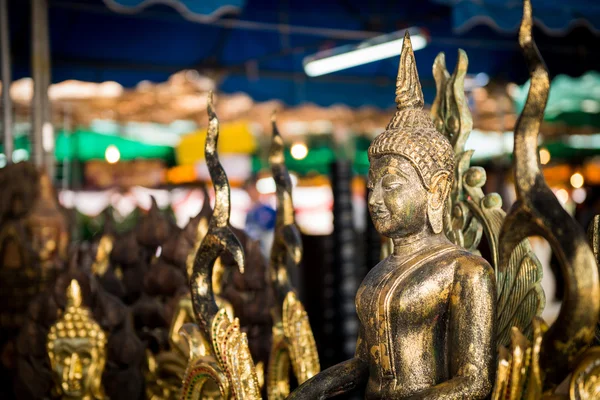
x=438, y=193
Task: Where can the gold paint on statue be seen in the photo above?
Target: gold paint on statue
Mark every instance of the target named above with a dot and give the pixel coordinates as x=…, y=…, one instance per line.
x=533, y=370
x=167, y=369
x=76, y=347
x=48, y=226
x=518, y=375
x=473, y=213
x=537, y=212
x=185, y=313
x=229, y=364
x=34, y=236
x=428, y=311
x=293, y=340
x=102, y=260
x=594, y=240
x=585, y=381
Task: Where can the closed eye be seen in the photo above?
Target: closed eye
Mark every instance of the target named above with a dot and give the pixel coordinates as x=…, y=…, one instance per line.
x=392, y=181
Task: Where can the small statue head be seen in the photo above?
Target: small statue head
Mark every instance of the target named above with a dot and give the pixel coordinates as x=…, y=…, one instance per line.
x=412, y=164
x=76, y=347
x=46, y=224
x=102, y=259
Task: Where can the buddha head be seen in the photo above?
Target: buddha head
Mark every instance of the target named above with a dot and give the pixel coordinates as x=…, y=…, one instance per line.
x=46, y=224
x=76, y=347
x=411, y=163
x=102, y=259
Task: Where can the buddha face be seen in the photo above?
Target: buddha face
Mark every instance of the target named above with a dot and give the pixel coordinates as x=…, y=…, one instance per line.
x=399, y=203
x=397, y=197
x=44, y=239
x=77, y=366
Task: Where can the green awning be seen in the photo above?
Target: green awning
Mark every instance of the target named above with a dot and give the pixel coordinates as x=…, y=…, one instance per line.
x=572, y=101
x=22, y=145
x=86, y=145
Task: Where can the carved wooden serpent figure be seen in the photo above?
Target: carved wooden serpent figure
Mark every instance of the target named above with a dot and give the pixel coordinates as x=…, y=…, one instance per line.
x=472, y=213
x=293, y=341
x=229, y=364
x=166, y=369
x=537, y=212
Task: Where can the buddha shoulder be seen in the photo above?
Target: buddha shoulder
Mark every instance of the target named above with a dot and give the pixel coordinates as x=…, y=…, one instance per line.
x=453, y=260
x=471, y=267
x=451, y=271
x=462, y=264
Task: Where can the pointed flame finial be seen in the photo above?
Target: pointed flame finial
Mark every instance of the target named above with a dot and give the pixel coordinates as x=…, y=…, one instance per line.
x=408, y=88
x=74, y=294
x=209, y=100
x=276, y=156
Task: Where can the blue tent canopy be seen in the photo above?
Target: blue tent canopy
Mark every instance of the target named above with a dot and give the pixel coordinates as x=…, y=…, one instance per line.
x=195, y=10
x=257, y=46
x=554, y=16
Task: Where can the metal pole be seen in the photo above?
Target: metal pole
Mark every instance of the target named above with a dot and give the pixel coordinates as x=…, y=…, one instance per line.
x=7, y=116
x=66, y=172
x=37, y=105
x=47, y=126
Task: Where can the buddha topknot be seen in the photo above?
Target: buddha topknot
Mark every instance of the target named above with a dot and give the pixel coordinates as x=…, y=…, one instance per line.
x=411, y=132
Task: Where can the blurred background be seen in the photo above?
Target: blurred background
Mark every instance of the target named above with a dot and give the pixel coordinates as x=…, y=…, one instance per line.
x=110, y=97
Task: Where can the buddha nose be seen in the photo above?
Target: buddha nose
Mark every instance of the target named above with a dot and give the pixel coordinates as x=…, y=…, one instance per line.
x=375, y=197
x=74, y=367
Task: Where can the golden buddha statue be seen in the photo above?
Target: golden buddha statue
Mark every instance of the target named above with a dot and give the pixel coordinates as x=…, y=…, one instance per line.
x=427, y=333
x=48, y=226
x=427, y=312
x=76, y=347
x=34, y=236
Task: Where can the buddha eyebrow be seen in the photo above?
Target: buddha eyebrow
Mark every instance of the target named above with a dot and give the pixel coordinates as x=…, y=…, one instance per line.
x=398, y=172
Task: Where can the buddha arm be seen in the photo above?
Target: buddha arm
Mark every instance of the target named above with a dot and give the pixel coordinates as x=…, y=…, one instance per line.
x=472, y=329
x=336, y=380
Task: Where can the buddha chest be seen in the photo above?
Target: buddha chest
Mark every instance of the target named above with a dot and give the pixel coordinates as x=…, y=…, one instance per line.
x=402, y=307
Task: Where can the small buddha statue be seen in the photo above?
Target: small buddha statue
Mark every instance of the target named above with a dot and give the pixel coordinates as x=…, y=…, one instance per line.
x=48, y=228
x=76, y=347
x=427, y=312
x=34, y=236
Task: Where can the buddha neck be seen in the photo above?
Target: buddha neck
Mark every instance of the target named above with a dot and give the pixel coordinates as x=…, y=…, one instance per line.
x=409, y=245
